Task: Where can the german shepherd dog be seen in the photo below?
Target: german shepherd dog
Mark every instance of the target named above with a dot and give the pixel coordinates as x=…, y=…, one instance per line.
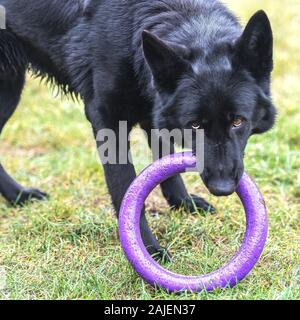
x=160, y=64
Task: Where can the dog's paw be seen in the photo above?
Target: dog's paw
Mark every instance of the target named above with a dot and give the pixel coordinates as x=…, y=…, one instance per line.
x=29, y=194
x=193, y=204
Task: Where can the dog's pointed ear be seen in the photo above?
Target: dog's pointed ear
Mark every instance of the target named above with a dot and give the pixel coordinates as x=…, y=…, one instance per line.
x=165, y=59
x=255, y=47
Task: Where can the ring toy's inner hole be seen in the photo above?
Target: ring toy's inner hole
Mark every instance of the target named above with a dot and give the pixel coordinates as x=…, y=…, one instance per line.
x=197, y=241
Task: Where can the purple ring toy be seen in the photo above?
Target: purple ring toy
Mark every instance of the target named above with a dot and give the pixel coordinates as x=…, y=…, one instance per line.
x=150, y=270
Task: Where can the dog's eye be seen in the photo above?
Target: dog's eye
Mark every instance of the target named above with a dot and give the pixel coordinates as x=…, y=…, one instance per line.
x=237, y=122
x=196, y=125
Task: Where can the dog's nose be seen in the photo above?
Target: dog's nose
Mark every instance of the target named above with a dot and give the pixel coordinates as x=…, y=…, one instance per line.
x=223, y=188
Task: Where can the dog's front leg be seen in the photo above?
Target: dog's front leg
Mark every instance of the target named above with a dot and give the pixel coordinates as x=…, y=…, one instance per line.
x=120, y=173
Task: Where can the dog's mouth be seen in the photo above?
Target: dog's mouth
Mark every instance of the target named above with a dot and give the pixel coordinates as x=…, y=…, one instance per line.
x=221, y=188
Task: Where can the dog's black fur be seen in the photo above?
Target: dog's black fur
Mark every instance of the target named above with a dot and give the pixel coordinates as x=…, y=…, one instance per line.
x=160, y=63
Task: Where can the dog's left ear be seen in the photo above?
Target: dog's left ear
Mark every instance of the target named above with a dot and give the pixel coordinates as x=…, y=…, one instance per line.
x=166, y=60
x=255, y=47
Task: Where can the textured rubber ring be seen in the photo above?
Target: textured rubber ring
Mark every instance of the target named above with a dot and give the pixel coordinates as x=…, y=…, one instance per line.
x=227, y=276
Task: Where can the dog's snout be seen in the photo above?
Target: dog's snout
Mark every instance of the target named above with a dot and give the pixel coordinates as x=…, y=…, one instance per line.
x=220, y=181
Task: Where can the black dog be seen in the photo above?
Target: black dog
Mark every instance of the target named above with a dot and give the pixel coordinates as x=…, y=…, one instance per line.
x=161, y=64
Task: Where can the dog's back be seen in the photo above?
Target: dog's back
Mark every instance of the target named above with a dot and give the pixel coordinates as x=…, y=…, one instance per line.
x=42, y=17
x=34, y=30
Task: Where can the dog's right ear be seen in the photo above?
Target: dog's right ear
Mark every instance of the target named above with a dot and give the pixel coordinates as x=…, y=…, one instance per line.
x=165, y=59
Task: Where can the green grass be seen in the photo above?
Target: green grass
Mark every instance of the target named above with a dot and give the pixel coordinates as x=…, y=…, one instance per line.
x=68, y=248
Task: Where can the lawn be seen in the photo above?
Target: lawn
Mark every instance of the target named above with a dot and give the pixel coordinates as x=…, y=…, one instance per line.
x=67, y=247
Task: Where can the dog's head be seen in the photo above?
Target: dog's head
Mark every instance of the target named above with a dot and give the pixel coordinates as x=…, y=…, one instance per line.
x=225, y=91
